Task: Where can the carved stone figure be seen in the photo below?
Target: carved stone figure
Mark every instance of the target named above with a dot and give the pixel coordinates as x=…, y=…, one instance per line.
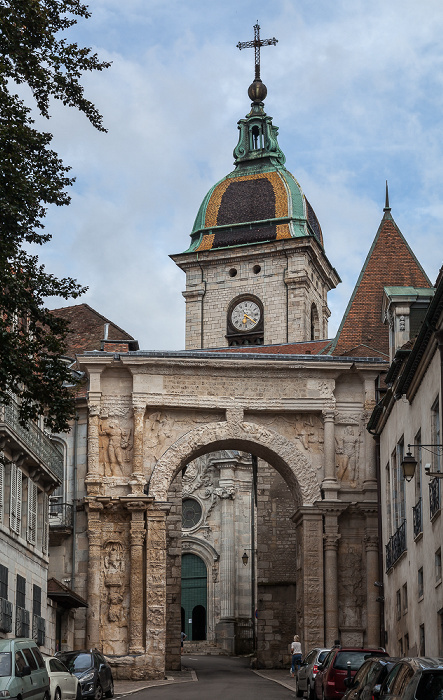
x=347, y=454
x=114, y=563
x=117, y=443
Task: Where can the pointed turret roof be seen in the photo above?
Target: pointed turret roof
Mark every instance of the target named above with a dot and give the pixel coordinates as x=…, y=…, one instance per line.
x=390, y=262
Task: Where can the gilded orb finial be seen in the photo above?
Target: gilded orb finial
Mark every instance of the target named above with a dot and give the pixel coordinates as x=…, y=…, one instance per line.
x=257, y=91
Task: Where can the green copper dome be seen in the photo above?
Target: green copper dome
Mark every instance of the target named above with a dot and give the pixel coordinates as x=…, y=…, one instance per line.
x=260, y=200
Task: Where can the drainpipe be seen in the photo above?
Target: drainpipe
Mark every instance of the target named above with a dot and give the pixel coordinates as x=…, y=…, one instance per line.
x=287, y=296
x=253, y=506
x=74, y=503
x=201, y=309
x=380, y=538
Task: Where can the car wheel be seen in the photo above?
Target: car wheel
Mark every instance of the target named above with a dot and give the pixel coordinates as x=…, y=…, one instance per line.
x=78, y=695
x=98, y=695
x=110, y=692
x=311, y=693
x=58, y=694
x=299, y=692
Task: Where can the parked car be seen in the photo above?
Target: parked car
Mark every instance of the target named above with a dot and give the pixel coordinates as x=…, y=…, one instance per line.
x=368, y=678
x=307, y=672
x=340, y=663
x=92, y=670
x=23, y=672
x=413, y=679
x=64, y=685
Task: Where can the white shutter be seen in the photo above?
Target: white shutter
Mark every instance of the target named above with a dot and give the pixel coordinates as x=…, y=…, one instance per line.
x=13, y=498
x=2, y=488
x=19, y=500
x=32, y=511
x=45, y=523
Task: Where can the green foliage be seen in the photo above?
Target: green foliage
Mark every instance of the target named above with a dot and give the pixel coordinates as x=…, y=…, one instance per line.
x=34, y=51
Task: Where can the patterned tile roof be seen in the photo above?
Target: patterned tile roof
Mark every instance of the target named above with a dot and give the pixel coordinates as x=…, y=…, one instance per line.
x=390, y=263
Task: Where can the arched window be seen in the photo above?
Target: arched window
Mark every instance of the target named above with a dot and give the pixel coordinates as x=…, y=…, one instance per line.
x=315, y=325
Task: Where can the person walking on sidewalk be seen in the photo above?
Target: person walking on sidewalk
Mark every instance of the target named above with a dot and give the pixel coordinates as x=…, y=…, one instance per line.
x=296, y=654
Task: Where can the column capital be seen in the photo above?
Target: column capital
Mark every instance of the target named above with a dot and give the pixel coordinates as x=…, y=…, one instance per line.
x=328, y=414
x=371, y=543
x=330, y=541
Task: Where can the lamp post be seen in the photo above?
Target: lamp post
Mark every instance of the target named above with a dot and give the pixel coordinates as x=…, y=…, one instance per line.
x=409, y=463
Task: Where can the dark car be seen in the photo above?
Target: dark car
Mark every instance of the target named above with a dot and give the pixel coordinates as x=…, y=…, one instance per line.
x=369, y=678
x=340, y=663
x=92, y=670
x=418, y=678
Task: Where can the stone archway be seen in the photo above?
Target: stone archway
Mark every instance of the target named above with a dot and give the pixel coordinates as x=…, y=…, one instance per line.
x=284, y=455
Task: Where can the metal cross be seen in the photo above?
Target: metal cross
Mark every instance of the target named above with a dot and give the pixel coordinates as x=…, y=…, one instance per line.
x=257, y=43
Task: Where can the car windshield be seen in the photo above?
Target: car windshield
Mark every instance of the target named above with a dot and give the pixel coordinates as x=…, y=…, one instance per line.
x=77, y=662
x=322, y=655
x=430, y=686
x=355, y=657
x=5, y=663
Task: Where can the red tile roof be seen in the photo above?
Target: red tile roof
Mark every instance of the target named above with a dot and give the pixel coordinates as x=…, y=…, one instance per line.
x=390, y=262
x=87, y=329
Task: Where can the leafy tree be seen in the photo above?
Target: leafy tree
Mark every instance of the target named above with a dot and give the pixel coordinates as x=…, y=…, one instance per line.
x=35, y=52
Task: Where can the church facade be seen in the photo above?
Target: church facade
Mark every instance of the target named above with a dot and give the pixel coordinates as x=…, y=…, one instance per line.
x=230, y=490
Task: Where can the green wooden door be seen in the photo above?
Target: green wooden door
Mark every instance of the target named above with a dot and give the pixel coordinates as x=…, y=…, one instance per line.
x=194, y=595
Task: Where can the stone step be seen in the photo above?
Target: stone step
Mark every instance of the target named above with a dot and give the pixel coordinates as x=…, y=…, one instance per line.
x=203, y=647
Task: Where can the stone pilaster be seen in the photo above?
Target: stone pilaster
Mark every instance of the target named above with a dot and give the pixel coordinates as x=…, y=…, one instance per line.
x=330, y=544
x=138, y=478
x=137, y=598
x=310, y=592
x=156, y=592
x=93, y=478
x=227, y=553
x=373, y=606
x=329, y=484
x=94, y=572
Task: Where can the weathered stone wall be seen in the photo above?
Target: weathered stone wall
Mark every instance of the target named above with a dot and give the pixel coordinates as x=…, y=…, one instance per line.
x=276, y=568
x=173, y=576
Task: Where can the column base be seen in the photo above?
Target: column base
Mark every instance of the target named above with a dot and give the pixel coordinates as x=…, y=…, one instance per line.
x=225, y=634
x=330, y=489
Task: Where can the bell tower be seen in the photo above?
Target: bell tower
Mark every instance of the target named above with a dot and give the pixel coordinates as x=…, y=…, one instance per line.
x=256, y=269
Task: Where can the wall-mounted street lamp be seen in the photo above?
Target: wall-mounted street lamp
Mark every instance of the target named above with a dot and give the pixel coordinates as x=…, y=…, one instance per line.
x=409, y=462
x=245, y=559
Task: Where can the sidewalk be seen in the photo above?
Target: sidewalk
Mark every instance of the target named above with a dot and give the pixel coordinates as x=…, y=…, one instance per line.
x=278, y=675
x=122, y=688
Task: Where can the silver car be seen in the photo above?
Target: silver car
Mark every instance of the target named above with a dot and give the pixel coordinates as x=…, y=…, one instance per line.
x=307, y=672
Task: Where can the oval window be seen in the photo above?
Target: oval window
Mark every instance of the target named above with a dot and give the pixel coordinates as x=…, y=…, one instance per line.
x=191, y=513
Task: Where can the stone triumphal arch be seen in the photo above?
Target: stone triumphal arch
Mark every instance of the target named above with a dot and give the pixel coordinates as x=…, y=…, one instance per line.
x=151, y=415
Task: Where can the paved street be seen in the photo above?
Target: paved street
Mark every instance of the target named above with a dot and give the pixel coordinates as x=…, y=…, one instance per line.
x=219, y=678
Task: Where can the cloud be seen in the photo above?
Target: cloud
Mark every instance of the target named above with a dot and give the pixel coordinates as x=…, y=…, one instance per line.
x=355, y=88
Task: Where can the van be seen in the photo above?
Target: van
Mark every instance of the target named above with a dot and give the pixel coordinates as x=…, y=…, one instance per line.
x=23, y=673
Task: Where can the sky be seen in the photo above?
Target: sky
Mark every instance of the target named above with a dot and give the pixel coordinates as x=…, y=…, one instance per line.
x=356, y=89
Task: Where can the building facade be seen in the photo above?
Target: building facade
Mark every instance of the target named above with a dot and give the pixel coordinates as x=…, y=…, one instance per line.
x=408, y=417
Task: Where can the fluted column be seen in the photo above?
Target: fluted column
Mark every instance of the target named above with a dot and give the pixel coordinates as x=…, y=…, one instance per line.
x=373, y=606
x=330, y=545
x=94, y=570
x=329, y=484
x=227, y=550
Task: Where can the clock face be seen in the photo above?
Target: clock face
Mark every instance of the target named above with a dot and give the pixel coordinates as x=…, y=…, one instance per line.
x=245, y=315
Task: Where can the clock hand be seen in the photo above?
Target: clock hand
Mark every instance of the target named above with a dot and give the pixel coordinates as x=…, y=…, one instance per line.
x=251, y=319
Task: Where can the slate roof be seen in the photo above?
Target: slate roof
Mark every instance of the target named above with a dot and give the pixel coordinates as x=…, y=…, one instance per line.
x=87, y=329
x=314, y=347
x=390, y=263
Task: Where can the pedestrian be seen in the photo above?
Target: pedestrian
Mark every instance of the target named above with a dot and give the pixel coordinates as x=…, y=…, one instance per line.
x=183, y=637
x=296, y=654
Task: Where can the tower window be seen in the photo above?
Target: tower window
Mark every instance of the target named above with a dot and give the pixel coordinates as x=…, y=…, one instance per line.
x=255, y=138
x=315, y=325
x=232, y=272
x=256, y=269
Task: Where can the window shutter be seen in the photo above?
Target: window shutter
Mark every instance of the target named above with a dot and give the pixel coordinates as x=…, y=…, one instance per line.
x=2, y=488
x=32, y=511
x=13, y=498
x=45, y=521
x=19, y=499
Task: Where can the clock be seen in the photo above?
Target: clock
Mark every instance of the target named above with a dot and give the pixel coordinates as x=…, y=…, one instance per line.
x=245, y=315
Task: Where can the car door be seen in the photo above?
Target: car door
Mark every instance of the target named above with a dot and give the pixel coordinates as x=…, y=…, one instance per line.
x=304, y=670
x=318, y=685
x=103, y=673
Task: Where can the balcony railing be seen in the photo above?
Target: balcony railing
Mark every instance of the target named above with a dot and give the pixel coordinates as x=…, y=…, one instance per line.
x=34, y=439
x=60, y=514
x=434, y=496
x=396, y=545
x=417, y=512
